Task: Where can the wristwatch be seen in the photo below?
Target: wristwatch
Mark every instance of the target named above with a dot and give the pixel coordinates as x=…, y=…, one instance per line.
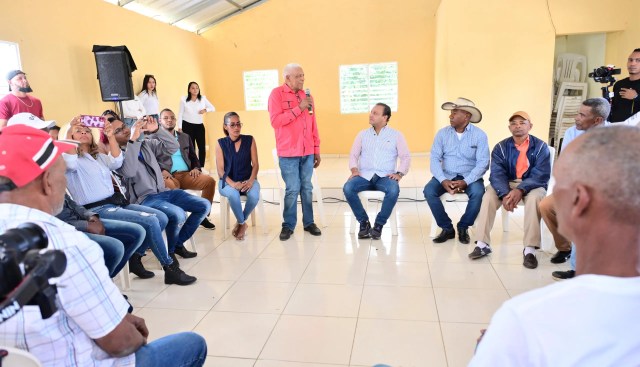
x=400, y=174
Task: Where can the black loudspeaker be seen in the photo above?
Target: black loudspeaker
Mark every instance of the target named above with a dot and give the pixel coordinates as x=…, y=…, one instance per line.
x=114, y=74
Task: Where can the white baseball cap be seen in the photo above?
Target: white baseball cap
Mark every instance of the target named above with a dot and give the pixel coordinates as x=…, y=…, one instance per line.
x=29, y=119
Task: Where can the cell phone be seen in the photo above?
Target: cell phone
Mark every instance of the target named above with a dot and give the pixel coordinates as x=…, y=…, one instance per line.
x=93, y=121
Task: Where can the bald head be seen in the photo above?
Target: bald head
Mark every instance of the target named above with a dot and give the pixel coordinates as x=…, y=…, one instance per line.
x=607, y=160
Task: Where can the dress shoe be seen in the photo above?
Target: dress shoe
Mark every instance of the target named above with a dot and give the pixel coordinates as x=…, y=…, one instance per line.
x=285, y=234
x=174, y=275
x=445, y=235
x=365, y=227
x=313, y=229
x=562, y=275
x=376, y=231
x=184, y=253
x=530, y=261
x=136, y=267
x=463, y=235
x=560, y=257
x=206, y=224
x=479, y=252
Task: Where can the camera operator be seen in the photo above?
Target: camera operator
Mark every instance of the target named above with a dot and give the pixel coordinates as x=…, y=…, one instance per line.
x=625, y=102
x=92, y=326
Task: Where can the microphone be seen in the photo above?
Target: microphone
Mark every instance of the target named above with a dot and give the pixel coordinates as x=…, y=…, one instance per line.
x=308, y=93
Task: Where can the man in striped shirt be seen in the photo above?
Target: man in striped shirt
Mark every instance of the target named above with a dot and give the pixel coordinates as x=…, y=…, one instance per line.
x=373, y=168
x=459, y=159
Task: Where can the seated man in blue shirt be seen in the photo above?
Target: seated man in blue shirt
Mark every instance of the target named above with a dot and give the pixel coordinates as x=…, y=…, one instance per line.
x=373, y=167
x=459, y=159
x=520, y=170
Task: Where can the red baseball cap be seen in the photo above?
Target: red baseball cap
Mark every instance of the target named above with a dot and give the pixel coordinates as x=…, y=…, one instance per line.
x=26, y=152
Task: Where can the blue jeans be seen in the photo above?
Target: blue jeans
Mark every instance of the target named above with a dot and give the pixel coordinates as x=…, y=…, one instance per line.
x=175, y=350
x=296, y=173
x=174, y=204
x=123, y=237
x=572, y=258
x=233, y=195
x=357, y=184
x=153, y=221
x=432, y=192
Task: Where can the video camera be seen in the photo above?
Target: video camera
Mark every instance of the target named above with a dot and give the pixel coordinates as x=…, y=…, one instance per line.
x=21, y=248
x=604, y=74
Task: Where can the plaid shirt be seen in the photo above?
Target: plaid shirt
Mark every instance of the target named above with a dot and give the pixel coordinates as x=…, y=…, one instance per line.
x=90, y=305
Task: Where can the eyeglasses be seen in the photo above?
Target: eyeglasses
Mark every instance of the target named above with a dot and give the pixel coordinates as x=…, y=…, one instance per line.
x=118, y=130
x=233, y=126
x=111, y=119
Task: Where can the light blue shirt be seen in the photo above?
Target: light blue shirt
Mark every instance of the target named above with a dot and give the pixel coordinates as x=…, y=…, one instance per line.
x=89, y=179
x=467, y=156
x=377, y=154
x=572, y=133
x=177, y=162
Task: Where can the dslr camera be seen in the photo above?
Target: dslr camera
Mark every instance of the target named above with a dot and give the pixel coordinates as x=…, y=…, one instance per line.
x=604, y=74
x=25, y=270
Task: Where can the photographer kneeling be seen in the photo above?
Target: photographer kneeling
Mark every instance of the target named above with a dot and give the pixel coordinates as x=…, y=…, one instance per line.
x=92, y=326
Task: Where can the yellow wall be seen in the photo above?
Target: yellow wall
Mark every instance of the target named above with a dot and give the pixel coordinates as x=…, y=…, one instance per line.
x=56, y=37
x=329, y=33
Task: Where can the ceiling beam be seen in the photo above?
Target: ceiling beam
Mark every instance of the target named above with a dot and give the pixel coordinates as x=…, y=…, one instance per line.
x=204, y=27
x=190, y=11
x=122, y=3
x=235, y=4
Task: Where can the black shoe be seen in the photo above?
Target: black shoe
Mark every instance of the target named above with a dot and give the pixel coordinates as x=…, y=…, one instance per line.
x=479, y=252
x=376, y=231
x=285, y=234
x=206, y=224
x=130, y=309
x=530, y=261
x=174, y=275
x=313, y=229
x=365, y=227
x=560, y=257
x=184, y=253
x=446, y=234
x=463, y=235
x=136, y=267
x=562, y=275
x=174, y=258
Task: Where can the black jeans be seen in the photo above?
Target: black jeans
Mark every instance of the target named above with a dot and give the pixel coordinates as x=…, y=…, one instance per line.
x=198, y=136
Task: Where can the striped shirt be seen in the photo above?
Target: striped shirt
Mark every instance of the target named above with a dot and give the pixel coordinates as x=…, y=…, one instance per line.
x=90, y=305
x=377, y=154
x=467, y=156
x=89, y=179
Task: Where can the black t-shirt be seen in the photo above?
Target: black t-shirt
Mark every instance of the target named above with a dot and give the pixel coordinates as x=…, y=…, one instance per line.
x=621, y=108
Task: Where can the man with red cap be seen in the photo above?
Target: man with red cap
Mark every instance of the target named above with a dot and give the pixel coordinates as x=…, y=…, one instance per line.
x=92, y=326
x=18, y=100
x=520, y=170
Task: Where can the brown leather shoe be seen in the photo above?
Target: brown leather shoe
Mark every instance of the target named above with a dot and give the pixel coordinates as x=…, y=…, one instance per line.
x=530, y=261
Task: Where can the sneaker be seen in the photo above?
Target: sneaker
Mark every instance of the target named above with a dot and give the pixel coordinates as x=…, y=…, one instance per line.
x=560, y=257
x=562, y=275
x=285, y=234
x=207, y=225
x=174, y=275
x=479, y=252
x=365, y=227
x=184, y=253
x=376, y=231
x=313, y=229
x=136, y=267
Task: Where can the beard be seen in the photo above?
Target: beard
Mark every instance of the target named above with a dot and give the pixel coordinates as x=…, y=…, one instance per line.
x=26, y=89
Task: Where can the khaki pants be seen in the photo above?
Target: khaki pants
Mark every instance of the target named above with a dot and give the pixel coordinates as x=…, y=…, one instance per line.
x=183, y=180
x=491, y=203
x=548, y=212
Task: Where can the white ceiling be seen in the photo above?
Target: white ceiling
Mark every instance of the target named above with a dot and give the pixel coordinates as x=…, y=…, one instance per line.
x=191, y=15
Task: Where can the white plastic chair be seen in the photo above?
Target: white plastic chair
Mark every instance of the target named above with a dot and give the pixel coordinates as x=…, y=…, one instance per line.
x=364, y=198
x=571, y=68
x=19, y=358
x=225, y=215
x=317, y=190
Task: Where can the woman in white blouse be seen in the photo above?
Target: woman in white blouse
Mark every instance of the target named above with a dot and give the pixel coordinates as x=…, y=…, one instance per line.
x=192, y=107
x=149, y=96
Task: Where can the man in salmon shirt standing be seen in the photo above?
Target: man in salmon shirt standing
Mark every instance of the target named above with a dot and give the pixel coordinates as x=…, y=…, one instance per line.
x=298, y=146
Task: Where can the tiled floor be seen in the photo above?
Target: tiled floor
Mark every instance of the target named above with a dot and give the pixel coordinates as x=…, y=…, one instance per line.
x=335, y=300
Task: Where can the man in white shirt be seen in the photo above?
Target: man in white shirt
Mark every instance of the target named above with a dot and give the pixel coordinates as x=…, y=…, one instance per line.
x=92, y=326
x=604, y=298
x=373, y=167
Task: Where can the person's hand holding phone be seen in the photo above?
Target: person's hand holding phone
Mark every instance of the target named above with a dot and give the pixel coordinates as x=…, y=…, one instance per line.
x=72, y=124
x=152, y=124
x=137, y=129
